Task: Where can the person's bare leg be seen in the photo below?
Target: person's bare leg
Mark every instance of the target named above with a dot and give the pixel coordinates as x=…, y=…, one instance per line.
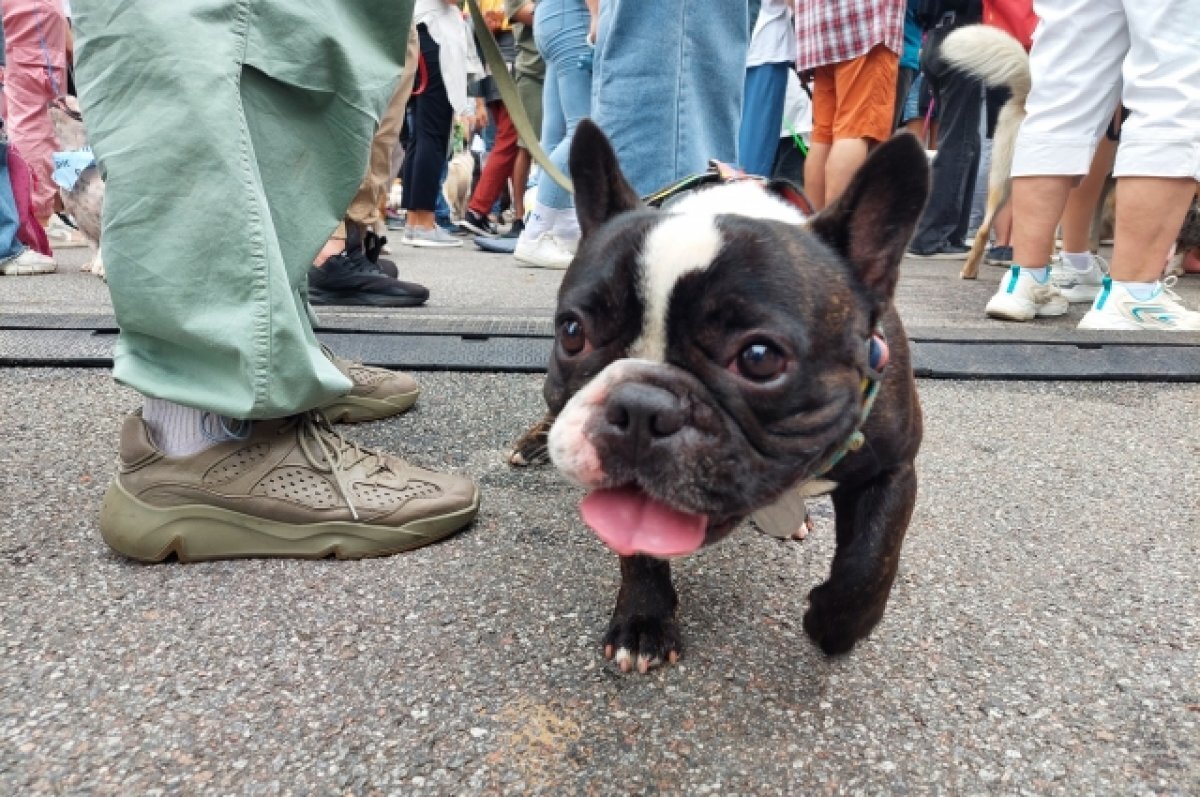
x=845, y=157
x=334, y=246
x=520, y=178
x=917, y=128
x=1081, y=204
x=814, y=173
x=421, y=219
x=1002, y=226
x=1150, y=211
x=1037, y=205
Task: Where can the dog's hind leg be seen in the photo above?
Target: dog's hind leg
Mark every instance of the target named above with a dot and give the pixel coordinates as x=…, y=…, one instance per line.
x=997, y=196
x=871, y=523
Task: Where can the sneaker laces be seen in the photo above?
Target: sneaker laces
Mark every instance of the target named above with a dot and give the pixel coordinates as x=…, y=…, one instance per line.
x=1042, y=294
x=337, y=455
x=1165, y=290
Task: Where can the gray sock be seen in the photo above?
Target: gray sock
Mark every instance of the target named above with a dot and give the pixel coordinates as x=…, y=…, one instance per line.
x=181, y=431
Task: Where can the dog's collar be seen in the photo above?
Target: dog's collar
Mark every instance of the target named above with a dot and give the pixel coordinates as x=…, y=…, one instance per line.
x=877, y=358
x=719, y=172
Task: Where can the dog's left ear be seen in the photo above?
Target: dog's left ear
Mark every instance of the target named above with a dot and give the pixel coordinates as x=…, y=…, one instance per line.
x=601, y=190
x=872, y=222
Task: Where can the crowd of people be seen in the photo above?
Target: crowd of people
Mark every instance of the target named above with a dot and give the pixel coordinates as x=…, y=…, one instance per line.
x=291, y=145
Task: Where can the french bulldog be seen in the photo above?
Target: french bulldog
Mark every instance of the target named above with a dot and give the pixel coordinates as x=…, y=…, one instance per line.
x=712, y=357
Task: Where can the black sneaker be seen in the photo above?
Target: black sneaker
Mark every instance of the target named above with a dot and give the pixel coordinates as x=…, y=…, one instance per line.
x=515, y=230
x=942, y=252
x=351, y=279
x=478, y=224
x=372, y=246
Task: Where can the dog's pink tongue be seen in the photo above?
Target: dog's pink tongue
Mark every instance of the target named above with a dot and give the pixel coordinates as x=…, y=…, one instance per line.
x=629, y=522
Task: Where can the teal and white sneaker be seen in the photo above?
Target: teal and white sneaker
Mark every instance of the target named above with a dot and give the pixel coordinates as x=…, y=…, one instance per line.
x=1076, y=285
x=1116, y=308
x=1022, y=297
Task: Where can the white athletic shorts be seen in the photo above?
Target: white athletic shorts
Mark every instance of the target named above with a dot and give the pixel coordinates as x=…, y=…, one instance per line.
x=1090, y=54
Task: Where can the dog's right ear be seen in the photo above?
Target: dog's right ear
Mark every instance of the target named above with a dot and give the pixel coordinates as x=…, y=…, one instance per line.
x=601, y=190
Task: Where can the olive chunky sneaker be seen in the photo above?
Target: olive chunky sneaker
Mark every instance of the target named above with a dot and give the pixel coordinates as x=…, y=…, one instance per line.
x=377, y=393
x=292, y=487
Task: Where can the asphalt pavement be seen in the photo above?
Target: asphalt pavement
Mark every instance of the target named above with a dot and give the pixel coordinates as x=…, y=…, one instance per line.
x=1041, y=638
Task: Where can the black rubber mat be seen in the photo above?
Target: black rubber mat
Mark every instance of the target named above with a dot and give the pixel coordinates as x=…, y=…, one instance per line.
x=523, y=345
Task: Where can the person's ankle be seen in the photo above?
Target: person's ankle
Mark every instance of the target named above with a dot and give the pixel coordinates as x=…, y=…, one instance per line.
x=1039, y=273
x=181, y=431
x=1139, y=290
x=1080, y=261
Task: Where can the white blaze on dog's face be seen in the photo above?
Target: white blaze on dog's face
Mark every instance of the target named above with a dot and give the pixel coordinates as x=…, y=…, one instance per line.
x=710, y=355
x=688, y=239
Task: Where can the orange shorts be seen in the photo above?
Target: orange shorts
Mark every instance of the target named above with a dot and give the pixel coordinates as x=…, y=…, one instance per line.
x=855, y=98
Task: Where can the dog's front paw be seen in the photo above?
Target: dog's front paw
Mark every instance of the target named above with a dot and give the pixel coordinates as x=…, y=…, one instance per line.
x=642, y=641
x=834, y=623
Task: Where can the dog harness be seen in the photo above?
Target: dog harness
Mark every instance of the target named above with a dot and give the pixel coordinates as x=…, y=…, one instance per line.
x=719, y=172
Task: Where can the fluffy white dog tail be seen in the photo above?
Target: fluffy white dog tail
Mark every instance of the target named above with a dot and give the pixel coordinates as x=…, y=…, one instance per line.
x=991, y=55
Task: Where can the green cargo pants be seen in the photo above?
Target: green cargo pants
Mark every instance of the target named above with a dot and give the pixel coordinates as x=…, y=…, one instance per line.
x=232, y=135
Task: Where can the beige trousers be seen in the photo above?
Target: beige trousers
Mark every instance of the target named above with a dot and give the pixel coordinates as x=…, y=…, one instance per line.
x=364, y=209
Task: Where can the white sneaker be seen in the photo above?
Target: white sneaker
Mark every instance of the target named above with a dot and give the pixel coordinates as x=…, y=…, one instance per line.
x=1021, y=297
x=1076, y=285
x=435, y=238
x=28, y=262
x=545, y=251
x=1116, y=308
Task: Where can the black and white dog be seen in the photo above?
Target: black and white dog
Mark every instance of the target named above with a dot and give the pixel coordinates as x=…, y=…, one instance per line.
x=712, y=357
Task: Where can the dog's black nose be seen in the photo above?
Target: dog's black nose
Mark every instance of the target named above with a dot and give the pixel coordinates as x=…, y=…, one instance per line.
x=644, y=411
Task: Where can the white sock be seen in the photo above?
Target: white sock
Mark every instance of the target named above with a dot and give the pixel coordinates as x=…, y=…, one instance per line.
x=566, y=229
x=181, y=431
x=1038, y=274
x=1139, y=290
x=1080, y=261
x=542, y=220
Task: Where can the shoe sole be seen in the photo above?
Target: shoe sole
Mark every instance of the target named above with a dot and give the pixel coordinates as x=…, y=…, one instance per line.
x=359, y=409
x=13, y=270
x=431, y=244
x=1024, y=311
x=940, y=256
x=317, y=296
x=1105, y=322
x=528, y=262
x=1078, y=295
x=199, y=533
x=475, y=228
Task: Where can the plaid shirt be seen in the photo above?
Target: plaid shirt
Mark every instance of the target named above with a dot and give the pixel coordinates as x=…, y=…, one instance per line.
x=830, y=31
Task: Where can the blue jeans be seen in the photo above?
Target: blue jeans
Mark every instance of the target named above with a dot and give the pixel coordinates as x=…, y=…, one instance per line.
x=560, y=29
x=10, y=219
x=668, y=84
x=762, y=116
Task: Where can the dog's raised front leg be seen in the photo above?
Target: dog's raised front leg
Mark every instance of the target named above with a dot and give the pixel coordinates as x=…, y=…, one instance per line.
x=643, y=631
x=871, y=522
x=530, y=448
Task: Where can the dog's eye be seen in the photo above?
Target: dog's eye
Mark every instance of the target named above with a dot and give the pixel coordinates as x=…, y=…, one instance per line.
x=571, y=337
x=760, y=362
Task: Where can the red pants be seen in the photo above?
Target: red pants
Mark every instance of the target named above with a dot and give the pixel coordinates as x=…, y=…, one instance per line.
x=35, y=34
x=499, y=164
